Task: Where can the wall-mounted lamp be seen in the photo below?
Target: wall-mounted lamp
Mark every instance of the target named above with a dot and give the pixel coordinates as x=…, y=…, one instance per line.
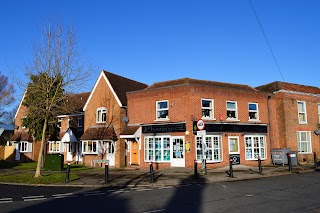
x=187, y=132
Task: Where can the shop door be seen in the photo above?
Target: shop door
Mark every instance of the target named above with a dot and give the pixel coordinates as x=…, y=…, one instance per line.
x=134, y=153
x=110, y=156
x=178, y=155
x=70, y=150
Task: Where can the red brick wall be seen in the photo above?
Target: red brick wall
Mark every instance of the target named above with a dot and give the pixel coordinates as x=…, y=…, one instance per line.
x=103, y=97
x=185, y=106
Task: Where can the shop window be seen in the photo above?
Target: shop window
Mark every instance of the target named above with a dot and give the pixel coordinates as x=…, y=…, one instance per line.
x=157, y=149
x=207, y=108
x=255, y=147
x=233, y=145
x=213, y=148
x=162, y=108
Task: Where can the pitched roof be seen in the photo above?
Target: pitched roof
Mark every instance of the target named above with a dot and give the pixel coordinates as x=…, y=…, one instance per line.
x=278, y=85
x=122, y=85
x=190, y=81
x=99, y=133
x=130, y=130
x=74, y=103
x=21, y=136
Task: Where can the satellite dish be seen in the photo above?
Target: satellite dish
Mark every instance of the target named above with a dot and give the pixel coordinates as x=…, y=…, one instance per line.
x=125, y=119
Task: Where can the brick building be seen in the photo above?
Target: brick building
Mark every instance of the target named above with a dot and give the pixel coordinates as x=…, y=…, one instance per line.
x=294, y=118
x=105, y=118
x=163, y=117
x=71, y=125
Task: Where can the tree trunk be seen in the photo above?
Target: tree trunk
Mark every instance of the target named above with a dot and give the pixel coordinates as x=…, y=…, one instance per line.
x=39, y=163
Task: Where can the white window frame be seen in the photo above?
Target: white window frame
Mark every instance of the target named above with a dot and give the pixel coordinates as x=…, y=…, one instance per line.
x=157, y=144
x=213, y=148
x=230, y=109
x=85, y=147
x=307, y=142
x=54, y=144
x=99, y=115
x=253, y=111
x=237, y=144
x=302, y=112
x=255, y=147
x=210, y=109
x=158, y=110
x=25, y=147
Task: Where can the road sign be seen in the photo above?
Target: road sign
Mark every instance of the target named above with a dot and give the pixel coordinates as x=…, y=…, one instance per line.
x=201, y=133
x=200, y=124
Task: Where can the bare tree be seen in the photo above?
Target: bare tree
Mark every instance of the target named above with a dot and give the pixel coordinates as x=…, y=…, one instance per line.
x=56, y=70
x=6, y=96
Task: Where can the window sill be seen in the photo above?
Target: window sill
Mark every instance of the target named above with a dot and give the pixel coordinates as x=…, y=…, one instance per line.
x=303, y=123
x=233, y=119
x=53, y=152
x=162, y=119
x=25, y=151
x=254, y=121
x=257, y=159
x=90, y=153
x=207, y=118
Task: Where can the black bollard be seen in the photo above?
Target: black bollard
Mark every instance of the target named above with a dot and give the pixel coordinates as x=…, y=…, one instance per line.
x=151, y=172
x=315, y=160
x=195, y=168
x=106, y=171
x=230, y=169
x=259, y=164
x=68, y=173
x=289, y=162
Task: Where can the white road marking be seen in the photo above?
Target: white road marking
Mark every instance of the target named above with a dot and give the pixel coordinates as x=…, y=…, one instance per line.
x=59, y=195
x=158, y=210
x=6, y=200
x=34, y=199
x=30, y=197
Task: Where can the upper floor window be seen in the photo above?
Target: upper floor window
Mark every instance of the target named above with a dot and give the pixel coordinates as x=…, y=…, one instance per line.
x=162, y=110
x=304, y=142
x=302, y=112
x=253, y=111
x=80, y=121
x=232, y=110
x=207, y=108
x=101, y=115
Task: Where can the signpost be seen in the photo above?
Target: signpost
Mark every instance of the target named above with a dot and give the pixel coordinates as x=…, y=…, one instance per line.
x=202, y=133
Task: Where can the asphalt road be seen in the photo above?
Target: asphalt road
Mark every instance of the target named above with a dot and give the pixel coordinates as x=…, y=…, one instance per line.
x=294, y=193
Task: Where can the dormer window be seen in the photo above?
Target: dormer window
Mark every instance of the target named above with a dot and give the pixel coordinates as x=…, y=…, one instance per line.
x=162, y=110
x=80, y=121
x=101, y=115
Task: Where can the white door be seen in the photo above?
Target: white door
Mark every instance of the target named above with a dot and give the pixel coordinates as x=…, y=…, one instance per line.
x=178, y=154
x=79, y=151
x=70, y=149
x=110, y=153
x=17, y=148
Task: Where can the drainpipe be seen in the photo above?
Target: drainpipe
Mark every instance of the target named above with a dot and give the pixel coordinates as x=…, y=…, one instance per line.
x=270, y=136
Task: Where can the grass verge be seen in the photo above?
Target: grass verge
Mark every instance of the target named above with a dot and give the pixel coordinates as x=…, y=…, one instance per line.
x=46, y=178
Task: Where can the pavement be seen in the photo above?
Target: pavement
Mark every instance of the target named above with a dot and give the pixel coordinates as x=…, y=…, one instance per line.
x=131, y=177
x=137, y=177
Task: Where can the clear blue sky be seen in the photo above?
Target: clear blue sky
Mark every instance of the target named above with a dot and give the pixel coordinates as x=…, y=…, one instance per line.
x=158, y=40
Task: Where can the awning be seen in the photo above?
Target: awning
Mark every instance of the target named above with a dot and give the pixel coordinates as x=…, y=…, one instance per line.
x=131, y=132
